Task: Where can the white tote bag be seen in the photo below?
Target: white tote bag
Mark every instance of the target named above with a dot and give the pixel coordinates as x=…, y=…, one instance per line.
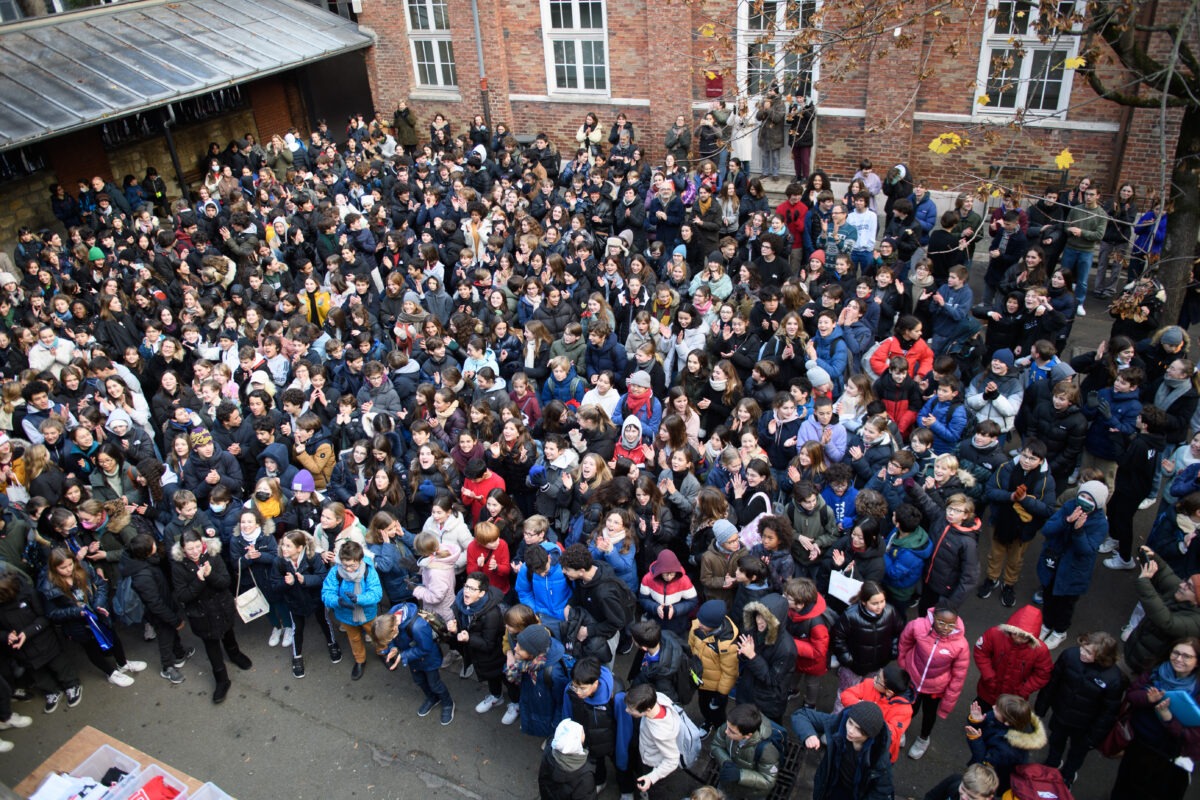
x=251, y=604
x=844, y=587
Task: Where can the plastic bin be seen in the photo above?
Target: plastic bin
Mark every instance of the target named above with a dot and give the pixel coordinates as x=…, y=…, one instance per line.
x=210, y=791
x=148, y=774
x=104, y=759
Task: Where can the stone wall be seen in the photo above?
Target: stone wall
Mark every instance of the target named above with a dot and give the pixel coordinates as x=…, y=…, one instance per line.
x=25, y=203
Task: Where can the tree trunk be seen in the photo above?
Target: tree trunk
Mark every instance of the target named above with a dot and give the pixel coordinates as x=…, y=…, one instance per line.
x=1179, y=249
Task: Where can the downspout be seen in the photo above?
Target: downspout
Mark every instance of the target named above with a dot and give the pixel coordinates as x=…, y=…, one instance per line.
x=175, y=163
x=483, y=83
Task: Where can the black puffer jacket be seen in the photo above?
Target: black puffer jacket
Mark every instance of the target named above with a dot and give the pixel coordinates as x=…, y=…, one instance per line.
x=1063, y=433
x=208, y=603
x=661, y=674
x=865, y=643
x=151, y=586
x=23, y=614
x=1082, y=696
x=301, y=598
x=953, y=567
x=485, y=628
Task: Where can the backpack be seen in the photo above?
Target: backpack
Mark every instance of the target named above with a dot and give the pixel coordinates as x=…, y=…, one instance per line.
x=628, y=601
x=436, y=624
x=689, y=674
x=127, y=603
x=689, y=739
x=1038, y=782
x=778, y=738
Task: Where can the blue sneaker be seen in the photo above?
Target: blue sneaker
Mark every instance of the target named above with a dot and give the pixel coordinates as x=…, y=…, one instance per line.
x=426, y=707
x=448, y=713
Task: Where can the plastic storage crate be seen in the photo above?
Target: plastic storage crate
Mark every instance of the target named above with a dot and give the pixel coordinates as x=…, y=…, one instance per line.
x=148, y=774
x=102, y=760
x=210, y=791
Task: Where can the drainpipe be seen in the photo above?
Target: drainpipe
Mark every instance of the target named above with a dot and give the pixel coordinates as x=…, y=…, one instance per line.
x=167, y=125
x=483, y=84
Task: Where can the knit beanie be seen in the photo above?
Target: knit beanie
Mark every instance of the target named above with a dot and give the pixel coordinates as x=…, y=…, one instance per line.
x=868, y=717
x=712, y=614
x=534, y=640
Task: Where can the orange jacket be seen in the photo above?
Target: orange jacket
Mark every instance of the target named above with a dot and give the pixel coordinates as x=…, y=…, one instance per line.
x=897, y=710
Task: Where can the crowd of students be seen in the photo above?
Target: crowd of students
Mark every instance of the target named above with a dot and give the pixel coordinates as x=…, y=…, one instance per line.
x=465, y=405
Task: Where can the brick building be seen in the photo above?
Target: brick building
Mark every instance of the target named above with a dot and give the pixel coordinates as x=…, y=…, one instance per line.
x=549, y=62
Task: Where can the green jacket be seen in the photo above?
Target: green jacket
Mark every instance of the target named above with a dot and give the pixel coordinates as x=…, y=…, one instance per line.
x=1167, y=620
x=1091, y=223
x=756, y=779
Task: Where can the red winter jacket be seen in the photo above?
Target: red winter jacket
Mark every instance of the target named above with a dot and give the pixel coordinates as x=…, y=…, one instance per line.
x=1007, y=666
x=918, y=355
x=811, y=635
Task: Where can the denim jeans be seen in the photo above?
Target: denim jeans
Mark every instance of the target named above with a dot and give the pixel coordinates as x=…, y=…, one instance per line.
x=431, y=684
x=1079, y=262
x=770, y=162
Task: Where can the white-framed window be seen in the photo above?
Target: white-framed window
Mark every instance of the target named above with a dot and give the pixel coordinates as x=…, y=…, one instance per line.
x=432, y=50
x=1022, y=67
x=575, y=39
x=766, y=56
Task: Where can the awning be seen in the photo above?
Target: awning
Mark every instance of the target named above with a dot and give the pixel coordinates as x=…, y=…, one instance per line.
x=59, y=74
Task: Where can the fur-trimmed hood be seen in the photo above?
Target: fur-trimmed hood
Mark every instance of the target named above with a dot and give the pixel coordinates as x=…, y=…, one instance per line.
x=1025, y=620
x=773, y=608
x=212, y=547
x=1032, y=739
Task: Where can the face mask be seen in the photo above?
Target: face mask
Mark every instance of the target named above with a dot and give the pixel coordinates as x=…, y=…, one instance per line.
x=1086, y=503
x=262, y=497
x=217, y=509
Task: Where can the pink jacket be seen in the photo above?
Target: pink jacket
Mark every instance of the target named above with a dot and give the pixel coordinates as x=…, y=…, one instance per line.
x=436, y=592
x=937, y=665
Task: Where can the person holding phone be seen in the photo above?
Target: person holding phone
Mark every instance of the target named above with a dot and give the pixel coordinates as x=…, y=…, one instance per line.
x=1073, y=536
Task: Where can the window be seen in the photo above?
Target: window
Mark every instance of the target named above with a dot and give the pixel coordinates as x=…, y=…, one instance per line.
x=766, y=29
x=1025, y=50
x=433, y=52
x=576, y=43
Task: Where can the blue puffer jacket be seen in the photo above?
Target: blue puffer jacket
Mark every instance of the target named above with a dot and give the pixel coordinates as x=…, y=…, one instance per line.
x=547, y=595
x=927, y=214
x=570, y=391
x=832, y=356
x=904, y=557
x=951, y=422
x=414, y=640
x=334, y=589
x=542, y=692
x=1124, y=408
x=623, y=564
x=1074, y=551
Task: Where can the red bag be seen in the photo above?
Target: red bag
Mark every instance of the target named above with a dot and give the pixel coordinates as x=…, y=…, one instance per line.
x=1118, y=739
x=155, y=789
x=1038, y=782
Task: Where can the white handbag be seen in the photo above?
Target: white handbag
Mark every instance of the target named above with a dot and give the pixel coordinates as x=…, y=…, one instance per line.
x=251, y=604
x=843, y=586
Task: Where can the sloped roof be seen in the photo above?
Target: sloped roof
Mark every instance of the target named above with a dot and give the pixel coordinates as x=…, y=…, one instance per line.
x=71, y=71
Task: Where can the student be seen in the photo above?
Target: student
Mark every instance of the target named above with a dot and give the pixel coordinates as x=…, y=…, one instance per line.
x=713, y=639
x=589, y=700
x=410, y=641
x=567, y=771
x=934, y=650
x=161, y=613
x=1023, y=496
x=314, y=452
x=436, y=561
x=747, y=761
x=1136, y=466
x=666, y=594
x=657, y=734
x=540, y=581
x=597, y=592
x=856, y=764
x=905, y=553
x=352, y=590
x=979, y=782
x=1004, y=737
x=1011, y=658
x=891, y=689
x=298, y=578
x=767, y=656
x=718, y=564
x=944, y=415
x=32, y=643
x=536, y=665
x=477, y=630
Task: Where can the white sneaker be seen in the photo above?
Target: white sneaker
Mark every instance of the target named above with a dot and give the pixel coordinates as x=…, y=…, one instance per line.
x=16, y=721
x=918, y=749
x=1109, y=546
x=276, y=635
x=510, y=714
x=1116, y=562
x=1054, y=640
x=118, y=678
x=133, y=666
x=1081, y=311
x=488, y=703
x=1044, y=633
x=288, y=635
x=1147, y=503
x=5, y=746
x=1126, y=632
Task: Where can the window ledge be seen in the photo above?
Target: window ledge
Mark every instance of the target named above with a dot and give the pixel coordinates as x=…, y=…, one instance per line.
x=430, y=93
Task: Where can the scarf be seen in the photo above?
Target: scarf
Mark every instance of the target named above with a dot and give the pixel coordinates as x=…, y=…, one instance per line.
x=270, y=508
x=252, y=537
x=920, y=285
x=1170, y=390
x=514, y=672
x=638, y=402
x=444, y=416
x=704, y=205
x=718, y=386
x=1165, y=679
x=357, y=579
x=704, y=307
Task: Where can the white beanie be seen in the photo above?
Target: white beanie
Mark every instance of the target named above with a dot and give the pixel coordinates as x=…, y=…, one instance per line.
x=568, y=737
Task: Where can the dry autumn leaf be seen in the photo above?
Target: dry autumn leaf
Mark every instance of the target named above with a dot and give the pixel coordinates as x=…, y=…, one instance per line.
x=1064, y=160
x=708, y=30
x=1075, y=63
x=946, y=143
x=983, y=99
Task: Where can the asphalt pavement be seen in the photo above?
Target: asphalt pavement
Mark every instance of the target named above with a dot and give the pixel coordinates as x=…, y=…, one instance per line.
x=327, y=737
